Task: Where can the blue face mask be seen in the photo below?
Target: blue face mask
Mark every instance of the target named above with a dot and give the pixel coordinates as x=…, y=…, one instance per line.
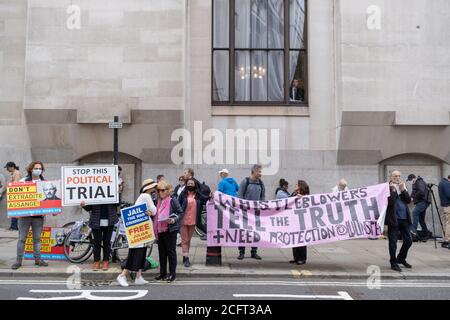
x=36, y=172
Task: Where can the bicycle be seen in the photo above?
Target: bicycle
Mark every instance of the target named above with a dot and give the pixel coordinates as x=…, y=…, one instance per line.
x=79, y=242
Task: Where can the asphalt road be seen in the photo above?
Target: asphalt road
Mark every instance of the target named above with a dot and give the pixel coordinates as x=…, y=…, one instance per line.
x=226, y=289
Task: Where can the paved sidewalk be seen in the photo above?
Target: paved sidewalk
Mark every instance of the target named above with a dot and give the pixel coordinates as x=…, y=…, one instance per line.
x=339, y=260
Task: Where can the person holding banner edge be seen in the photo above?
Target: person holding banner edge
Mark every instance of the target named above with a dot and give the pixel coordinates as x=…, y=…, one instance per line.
x=300, y=253
x=34, y=170
x=169, y=215
x=136, y=256
x=398, y=220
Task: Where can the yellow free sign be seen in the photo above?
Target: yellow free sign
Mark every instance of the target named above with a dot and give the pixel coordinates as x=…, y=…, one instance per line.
x=140, y=234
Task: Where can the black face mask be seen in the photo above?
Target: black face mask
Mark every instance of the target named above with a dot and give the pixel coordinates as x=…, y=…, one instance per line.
x=190, y=188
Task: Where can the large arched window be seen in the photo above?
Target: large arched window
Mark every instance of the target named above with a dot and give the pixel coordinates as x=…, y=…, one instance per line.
x=259, y=52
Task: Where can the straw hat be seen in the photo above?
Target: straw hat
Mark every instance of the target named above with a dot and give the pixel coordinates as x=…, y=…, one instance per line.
x=148, y=184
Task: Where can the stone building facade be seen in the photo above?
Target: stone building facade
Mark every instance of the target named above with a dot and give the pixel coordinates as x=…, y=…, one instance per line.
x=378, y=74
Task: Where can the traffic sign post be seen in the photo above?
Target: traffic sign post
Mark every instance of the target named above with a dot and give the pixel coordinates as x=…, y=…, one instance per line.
x=116, y=125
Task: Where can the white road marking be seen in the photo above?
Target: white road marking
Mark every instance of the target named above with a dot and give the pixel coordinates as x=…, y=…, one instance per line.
x=342, y=295
x=386, y=284
x=307, y=283
x=89, y=294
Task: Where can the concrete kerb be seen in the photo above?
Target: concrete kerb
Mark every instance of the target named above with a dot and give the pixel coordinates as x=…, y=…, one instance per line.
x=88, y=275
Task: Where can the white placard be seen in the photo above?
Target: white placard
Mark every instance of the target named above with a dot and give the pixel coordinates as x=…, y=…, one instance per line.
x=91, y=184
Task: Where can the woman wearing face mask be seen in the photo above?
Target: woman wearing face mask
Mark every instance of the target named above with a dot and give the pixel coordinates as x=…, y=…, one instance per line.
x=191, y=203
x=34, y=173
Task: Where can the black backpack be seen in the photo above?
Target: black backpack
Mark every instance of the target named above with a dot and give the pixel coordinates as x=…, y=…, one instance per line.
x=204, y=189
x=247, y=182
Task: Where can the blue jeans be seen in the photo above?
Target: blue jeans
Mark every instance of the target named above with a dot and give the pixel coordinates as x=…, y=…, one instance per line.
x=419, y=216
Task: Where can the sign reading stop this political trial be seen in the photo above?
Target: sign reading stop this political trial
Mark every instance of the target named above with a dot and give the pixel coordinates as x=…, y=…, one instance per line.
x=297, y=221
x=91, y=184
x=138, y=226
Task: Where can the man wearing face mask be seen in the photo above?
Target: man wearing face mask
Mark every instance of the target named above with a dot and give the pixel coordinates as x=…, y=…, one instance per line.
x=34, y=170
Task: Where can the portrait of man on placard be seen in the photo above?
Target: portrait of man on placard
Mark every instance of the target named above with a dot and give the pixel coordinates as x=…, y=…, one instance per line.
x=50, y=191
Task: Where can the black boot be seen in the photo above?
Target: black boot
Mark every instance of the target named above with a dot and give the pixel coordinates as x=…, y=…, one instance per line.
x=395, y=267
x=186, y=262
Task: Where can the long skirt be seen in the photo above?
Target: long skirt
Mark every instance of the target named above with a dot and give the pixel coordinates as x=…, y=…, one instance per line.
x=136, y=259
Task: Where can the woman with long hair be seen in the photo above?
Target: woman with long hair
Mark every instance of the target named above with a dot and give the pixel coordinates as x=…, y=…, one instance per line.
x=34, y=174
x=191, y=201
x=300, y=253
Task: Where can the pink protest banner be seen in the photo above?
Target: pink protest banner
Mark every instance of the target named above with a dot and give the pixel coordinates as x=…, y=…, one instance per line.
x=296, y=221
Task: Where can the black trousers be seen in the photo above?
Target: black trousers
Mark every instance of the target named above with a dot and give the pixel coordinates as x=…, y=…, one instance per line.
x=167, y=248
x=102, y=236
x=242, y=250
x=299, y=253
x=403, y=228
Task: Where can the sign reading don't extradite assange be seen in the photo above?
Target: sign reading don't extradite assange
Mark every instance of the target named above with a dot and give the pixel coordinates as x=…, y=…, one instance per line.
x=297, y=221
x=25, y=199
x=91, y=184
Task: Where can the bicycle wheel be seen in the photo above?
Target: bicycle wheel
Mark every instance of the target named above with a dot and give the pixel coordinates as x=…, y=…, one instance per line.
x=68, y=225
x=120, y=248
x=149, y=250
x=78, y=250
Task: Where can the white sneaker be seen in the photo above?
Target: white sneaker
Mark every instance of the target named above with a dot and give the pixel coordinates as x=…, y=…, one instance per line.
x=140, y=281
x=122, y=281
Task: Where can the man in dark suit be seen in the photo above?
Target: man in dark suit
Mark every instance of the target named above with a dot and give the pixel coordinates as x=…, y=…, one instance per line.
x=296, y=91
x=398, y=220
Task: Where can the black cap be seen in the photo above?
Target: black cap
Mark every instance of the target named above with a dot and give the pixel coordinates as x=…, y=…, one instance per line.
x=10, y=164
x=410, y=177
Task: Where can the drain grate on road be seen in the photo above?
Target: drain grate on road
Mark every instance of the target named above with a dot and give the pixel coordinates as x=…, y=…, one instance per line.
x=96, y=283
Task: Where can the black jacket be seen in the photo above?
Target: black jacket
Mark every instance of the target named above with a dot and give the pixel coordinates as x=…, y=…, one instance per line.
x=95, y=211
x=203, y=190
x=420, y=191
x=299, y=94
x=199, y=198
x=175, y=192
x=391, y=217
x=175, y=208
x=444, y=192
